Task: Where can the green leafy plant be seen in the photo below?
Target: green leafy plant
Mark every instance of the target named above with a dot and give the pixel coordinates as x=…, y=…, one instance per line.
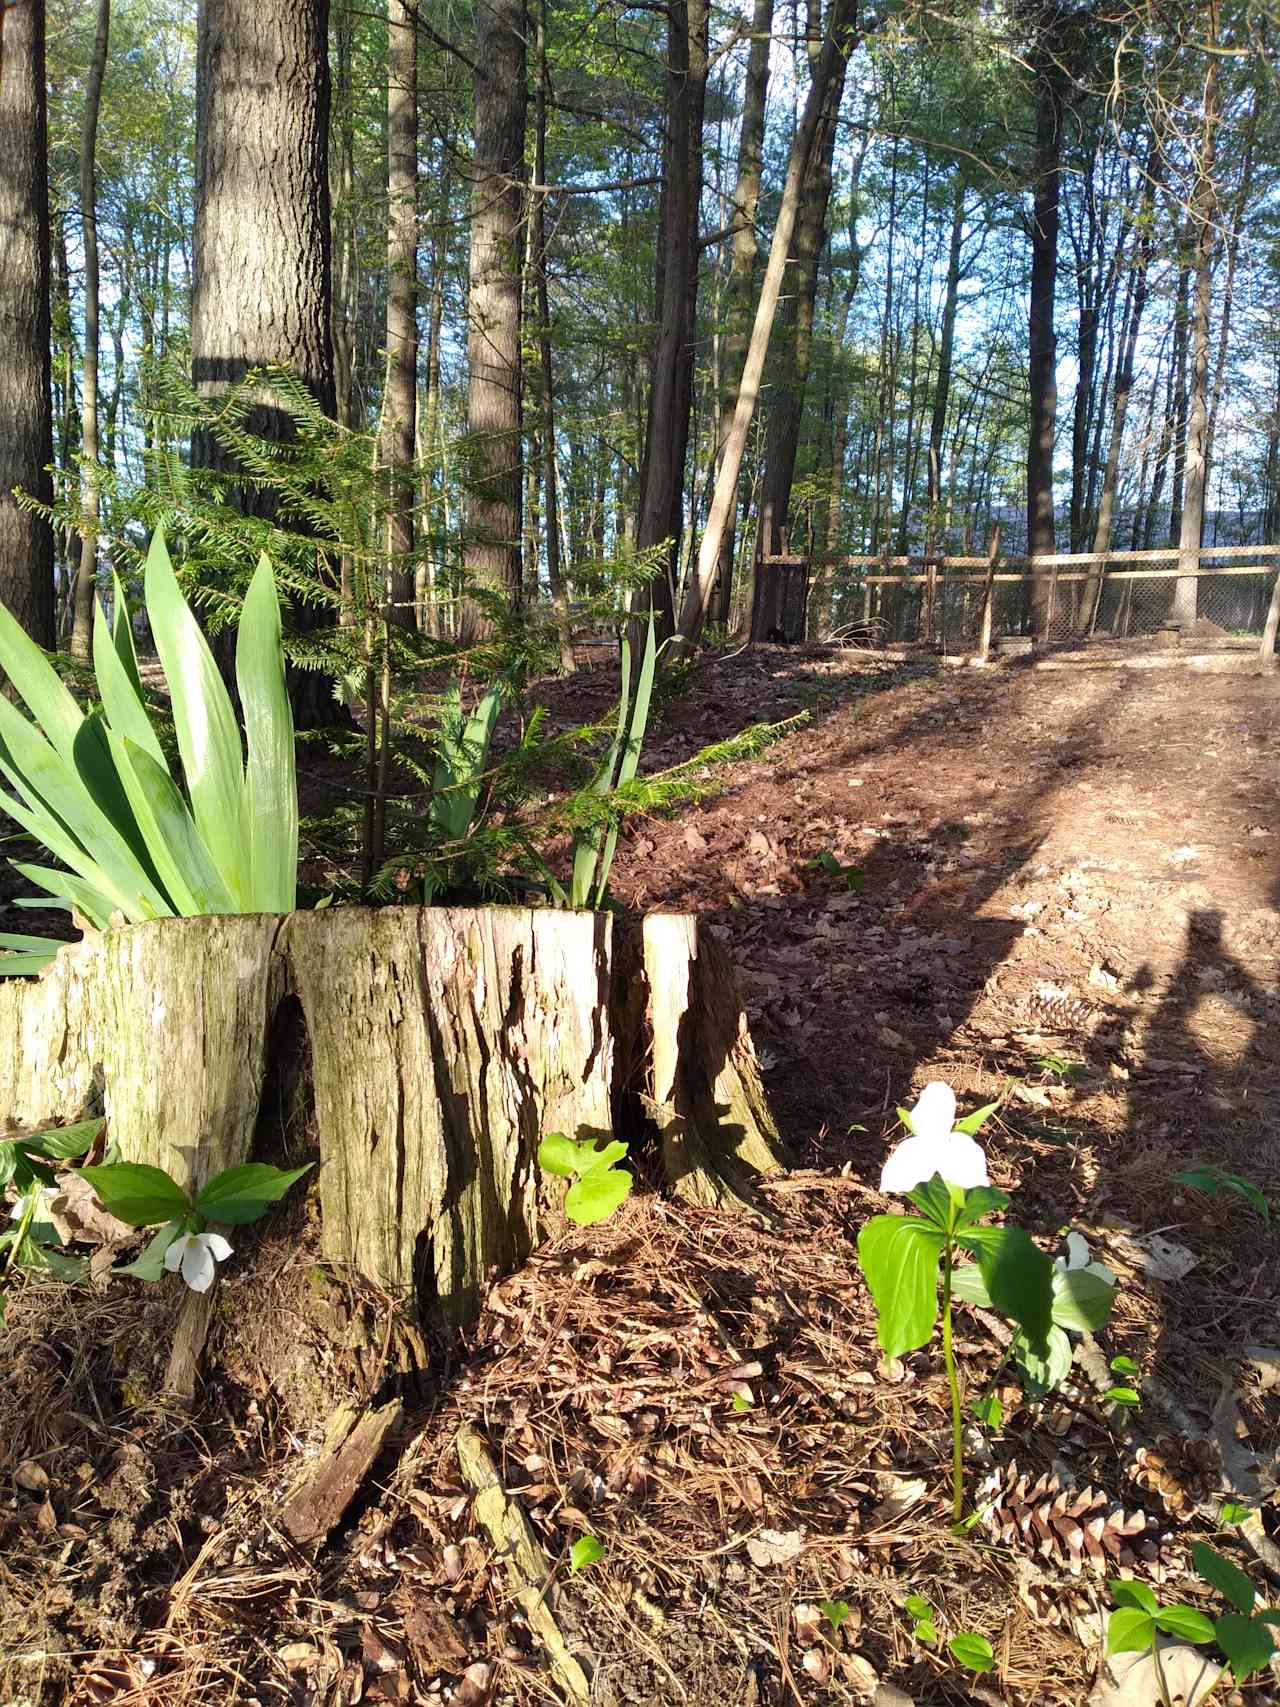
x=851, y=877
x=1217, y=1182
x=923, y=1618
x=30, y=1242
x=95, y=788
x=585, y=1551
x=835, y=1612
x=1058, y=1067
x=599, y=1185
x=1082, y=1295
x=144, y=1196
x=463, y=747
x=972, y=1651
x=942, y=1170
x=1245, y=1637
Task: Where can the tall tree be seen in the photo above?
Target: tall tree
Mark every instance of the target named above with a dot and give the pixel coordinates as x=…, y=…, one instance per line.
x=26, y=398
x=494, y=387
x=671, y=373
x=262, y=291
x=82, y=627
x=1047, y=80
x=400, y=391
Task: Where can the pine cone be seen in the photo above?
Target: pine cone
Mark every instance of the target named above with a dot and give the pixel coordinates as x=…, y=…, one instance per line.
x=1073, y=1527
x=1059, y=1013
x=1182, y=1473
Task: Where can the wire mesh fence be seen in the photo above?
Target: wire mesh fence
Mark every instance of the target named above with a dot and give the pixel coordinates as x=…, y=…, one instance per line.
x=1119, y=596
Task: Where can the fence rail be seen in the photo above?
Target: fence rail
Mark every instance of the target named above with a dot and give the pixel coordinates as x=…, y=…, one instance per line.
x=961, y=602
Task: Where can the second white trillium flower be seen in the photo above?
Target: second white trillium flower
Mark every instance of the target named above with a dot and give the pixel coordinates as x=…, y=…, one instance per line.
x=935, y=1147
x=196, y=1254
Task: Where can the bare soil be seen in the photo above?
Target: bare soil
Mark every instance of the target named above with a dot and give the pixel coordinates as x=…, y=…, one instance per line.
x=1066, y=894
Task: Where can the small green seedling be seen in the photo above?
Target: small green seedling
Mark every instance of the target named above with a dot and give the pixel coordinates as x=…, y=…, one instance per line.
x=1232, y=1513
x=740, y=1403
x=835, y=1612
x=585, y=1551
x=1058, y=1067
x=852, y=877
x=1124, y=1395
x=1217, y=1182
x=1243, y=1636
x=599, y=1187
x=923, y=1619
x=972, y=1651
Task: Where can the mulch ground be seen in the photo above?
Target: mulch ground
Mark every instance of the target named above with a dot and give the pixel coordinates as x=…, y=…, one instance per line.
x=1067, y=895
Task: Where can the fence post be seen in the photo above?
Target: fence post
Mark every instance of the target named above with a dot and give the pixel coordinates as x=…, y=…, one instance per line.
x=1268, y=647
x=988, y=596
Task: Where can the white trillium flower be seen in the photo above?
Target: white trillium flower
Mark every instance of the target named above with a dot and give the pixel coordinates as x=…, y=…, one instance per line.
x=196, y=1254
x=43, y=1194
x=935, y=1147
x=1077, y=1257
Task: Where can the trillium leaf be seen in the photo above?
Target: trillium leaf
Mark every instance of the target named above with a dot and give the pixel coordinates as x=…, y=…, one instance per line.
x=898, y=1255
x=1043, y=1371
x=933, y=1199
x=240, y=1195
x=973, y=1123
x=1082, y=1300
x=1019, y=1277
x=596, y=1195
x=558, y=1155
x=137, y=1194
x=1247, y=1643
x=1230, y=1582
x=150, y=1264
x=968, y=1285
x=1130, y=1630
x=1133, y=1593
x=980, y=1200
x=1186, y=1623
x=972, y=1651
x=64, y=1142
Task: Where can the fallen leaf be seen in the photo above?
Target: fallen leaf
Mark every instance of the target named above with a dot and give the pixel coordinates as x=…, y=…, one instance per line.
x=76, y=1215
x=1130, y=1680
x=775, y=1546
x=31, y=1477
x=902, y=1495
x=1162, y=1258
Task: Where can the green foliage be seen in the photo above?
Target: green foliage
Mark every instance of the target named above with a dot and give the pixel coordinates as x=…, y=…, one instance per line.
x=972, y=1651
x=585, y=1551
x=96, y=790
x=923, y=1618
x=599, y=1185
x=1217, y=1182
x=1243, y=1636
x=835, y=1612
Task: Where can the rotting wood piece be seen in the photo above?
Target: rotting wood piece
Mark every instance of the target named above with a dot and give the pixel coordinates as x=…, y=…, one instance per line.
x=351, y=1445
x=527, y=1566
x=707, y=1095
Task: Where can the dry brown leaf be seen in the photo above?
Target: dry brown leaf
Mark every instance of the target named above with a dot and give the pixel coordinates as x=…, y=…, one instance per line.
x=775, y=1546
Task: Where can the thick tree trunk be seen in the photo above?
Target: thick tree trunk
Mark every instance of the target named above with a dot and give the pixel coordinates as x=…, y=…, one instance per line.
x=262, y=290
x=26, y=398
x=441, y=1046
x=1204, y=208
x=1041, y=533
x=671, y=373
x=494, y=395
x=400, y=393
x=946, y=356
x=82, y=624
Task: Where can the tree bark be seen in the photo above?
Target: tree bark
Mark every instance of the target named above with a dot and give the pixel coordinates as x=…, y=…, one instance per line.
x=400, y=392
x=1204, y=207
x=946, y=356
x=262, y=291
x=1042, y=368
x=671, y=371
x=26, y=397
x=82, y=622
x=742, y=267
x=494, y=394
x=693, y=612
x=440, y=1045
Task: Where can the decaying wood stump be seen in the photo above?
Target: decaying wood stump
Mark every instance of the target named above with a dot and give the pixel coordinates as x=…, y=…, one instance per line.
x=443, y=1044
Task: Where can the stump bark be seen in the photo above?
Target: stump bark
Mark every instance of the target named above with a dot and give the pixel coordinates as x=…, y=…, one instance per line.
x=441, y=1044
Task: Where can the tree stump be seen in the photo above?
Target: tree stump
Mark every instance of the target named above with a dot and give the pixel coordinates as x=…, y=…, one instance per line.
x=440, y=1045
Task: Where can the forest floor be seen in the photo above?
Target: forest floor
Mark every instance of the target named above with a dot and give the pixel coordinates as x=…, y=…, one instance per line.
x=1068, y=898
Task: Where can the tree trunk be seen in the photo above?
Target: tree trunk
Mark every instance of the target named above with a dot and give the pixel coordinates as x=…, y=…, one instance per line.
x=1204, y=206
x=786, y=412
x=742, y=267
x=261, y=287
x=946, y=353
x=551, y=501
x=671, y=371
x=82, y=624
x=724, y=497
x=26, y=397
x=400, y=392
x=441, y=1045
x=1042, y=370
x=494, y=394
